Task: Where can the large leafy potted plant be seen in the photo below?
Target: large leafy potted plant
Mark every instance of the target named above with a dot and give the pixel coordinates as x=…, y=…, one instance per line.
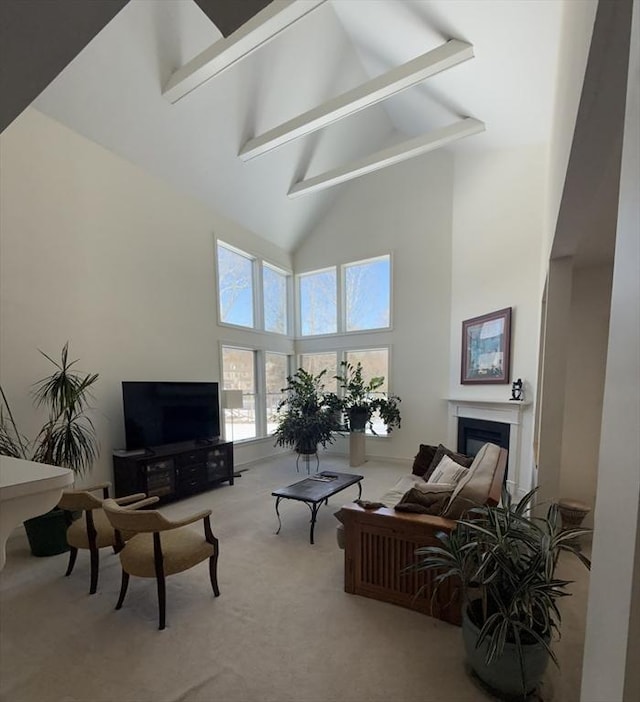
x=504, y=559
x=67, y=439
x=306, y=417
x=361, y=399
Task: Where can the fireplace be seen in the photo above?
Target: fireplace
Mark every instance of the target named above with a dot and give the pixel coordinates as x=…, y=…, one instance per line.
x=473, y=422
x=474, y=433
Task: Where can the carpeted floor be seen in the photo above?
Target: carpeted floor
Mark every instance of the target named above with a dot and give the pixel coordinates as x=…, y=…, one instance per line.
x=282, y=629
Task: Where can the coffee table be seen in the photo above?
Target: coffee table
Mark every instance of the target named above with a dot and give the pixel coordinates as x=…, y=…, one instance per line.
x=313, y=491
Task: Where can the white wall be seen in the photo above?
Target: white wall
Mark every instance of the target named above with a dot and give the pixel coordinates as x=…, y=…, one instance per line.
x=95, y=251
x=612, y=648
x=577, y=28
x=498, y=235
x=405, y=210
x=586, y=362
x=550, y=403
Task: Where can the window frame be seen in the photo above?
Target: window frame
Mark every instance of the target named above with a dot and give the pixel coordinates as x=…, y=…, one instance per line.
x=257, y=281
x=298, y=301
x=341, y=311
x=259, y=376
x=343, y=294
x=287, y=302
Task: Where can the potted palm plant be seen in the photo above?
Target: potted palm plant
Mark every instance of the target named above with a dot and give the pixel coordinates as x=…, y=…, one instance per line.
x=67, y=439
x=504, y=560
x=306, y=417
x=361, y=399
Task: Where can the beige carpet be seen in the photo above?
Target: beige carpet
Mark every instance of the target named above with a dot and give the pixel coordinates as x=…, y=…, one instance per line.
x=282, y=629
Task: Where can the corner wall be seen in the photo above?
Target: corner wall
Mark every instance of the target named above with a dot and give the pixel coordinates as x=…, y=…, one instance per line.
x=405, y=210
x=612, y=646
x=97, y=252
x=586, y=362
x=499, y=226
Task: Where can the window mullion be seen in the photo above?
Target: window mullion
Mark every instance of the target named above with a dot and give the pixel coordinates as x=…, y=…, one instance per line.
x=340, y=300
x=258, y=295
x=260, y=392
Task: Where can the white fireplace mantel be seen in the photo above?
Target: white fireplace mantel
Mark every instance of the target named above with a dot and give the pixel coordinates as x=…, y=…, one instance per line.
x=510, y=412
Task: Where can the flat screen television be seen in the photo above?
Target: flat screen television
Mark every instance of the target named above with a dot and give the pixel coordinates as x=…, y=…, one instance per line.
x=157, y=413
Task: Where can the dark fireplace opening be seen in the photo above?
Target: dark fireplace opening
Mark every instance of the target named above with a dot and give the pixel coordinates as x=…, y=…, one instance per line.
x=474, y=433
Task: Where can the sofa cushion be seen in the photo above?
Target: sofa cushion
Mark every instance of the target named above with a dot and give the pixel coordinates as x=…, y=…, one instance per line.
x=447, y=471
x=473, y=488
x=431, y=498
x=422, y=461
x=442, y=451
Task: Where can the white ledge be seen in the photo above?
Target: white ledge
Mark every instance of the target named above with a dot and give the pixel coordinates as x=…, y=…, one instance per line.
x=488, y=401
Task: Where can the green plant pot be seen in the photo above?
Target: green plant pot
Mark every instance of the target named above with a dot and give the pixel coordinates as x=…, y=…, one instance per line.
x=358, y=418
x=47, y=533
x=503, y=675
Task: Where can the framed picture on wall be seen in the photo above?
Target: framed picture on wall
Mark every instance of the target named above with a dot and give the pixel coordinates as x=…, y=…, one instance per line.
x=486, y=344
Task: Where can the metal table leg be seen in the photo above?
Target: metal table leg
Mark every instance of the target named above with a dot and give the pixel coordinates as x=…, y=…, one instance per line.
x=314, y=507
x=278, y=513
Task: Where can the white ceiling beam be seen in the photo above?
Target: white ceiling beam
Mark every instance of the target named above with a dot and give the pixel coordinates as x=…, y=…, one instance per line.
x=256, y=32
x=365, y=95
x=388, y=157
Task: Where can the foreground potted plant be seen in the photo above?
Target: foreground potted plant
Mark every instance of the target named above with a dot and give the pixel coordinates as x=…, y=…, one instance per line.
x=67, y=439
x=360, y=400
x=504, y=560
x=306, y=417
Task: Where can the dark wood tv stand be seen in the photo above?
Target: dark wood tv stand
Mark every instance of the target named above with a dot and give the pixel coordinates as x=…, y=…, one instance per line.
x=173, y=471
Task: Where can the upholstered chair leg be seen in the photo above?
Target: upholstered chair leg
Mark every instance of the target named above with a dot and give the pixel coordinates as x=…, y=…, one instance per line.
x=123, y=589
x=213, y=570
x=92, y=535
x=95, y=568
x=73, y=554
x=162, y=590
x=213, y=575
x=213, y=561
x=162, y=602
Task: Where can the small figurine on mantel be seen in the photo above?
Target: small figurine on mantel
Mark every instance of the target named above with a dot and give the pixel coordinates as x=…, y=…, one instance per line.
x=516, y=390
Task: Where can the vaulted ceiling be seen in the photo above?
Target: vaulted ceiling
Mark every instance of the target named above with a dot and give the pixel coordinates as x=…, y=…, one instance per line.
x=112, y=93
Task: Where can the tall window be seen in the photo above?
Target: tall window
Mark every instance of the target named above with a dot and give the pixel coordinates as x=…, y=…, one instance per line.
x=238, y=373
x=365, y=298
x=276, y=371
x=375, y=363
x=367, y=294
x=248, y=299
x=316, y=362
x=235, y=287
x=318, y=295
x=274, y=287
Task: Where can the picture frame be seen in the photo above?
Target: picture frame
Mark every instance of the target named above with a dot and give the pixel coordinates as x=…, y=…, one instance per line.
x=486, y=349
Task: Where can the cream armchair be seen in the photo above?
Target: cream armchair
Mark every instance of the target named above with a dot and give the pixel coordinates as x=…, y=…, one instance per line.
x=93, y=530
x=159, y=547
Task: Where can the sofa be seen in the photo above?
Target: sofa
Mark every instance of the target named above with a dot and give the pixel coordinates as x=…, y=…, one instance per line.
x=379, y=539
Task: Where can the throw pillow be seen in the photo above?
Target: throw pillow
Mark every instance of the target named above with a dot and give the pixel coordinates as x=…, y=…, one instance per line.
x=423, y=460
x=447, y=471
x=431, y=501
x=473, y=489
x=443, y=451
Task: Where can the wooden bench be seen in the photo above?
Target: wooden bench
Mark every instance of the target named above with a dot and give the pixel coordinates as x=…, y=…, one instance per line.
x=380, y=543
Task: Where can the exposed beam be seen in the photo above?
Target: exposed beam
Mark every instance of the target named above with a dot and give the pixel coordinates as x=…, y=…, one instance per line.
x=365, y=95
x=388, y=157
x=260, y=29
